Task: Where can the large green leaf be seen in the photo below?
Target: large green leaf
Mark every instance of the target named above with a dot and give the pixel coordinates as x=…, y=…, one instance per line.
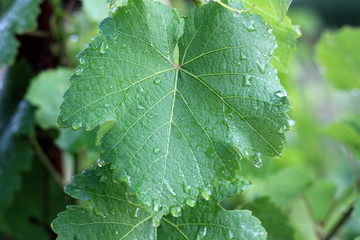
x=45, y=92
x=113, y=214
x=20, y=16
x=274, y=13
x=337, y=53
x=179, y=119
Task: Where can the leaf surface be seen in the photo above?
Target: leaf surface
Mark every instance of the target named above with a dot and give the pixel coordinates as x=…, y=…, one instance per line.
x=45, y=92
x=274, y=13
x=178, y=120
x=337, y=53
x=20, y=16
x=114, y=214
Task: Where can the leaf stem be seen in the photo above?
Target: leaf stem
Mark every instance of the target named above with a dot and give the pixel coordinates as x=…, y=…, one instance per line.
x=233, y=9
x=46, y=161
x=339, y=223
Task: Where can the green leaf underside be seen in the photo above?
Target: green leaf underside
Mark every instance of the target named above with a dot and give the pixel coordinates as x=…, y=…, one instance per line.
x=19, y=17
x=49, y=85
x=274, y=13
x=113, y=214
x=340, y=59
x=178, y=125
x=272, y=218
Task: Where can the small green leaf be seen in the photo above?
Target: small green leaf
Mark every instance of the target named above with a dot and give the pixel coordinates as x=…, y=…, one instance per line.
x=274, y=13
x=335, y=52
x=346, y=132
x=179, y=124
x=272, y=218
x=95, y=10
x=45, y=92
x=19, y=17
x=320, y=196
x=114, y=214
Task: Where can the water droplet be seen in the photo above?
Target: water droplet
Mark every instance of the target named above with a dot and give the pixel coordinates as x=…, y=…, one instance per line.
x=262, y=66
x=157, y=81
x=107, y=105
x=156, y=221
x=76, y=125
x=136, y=212
x=283, y=129
x=123, y=46
x=100, y=162
x=258, y=162
x=156, y=205
x=236, y=14
x=113, y=211
x=79, y=71
x=156, y=150
x=270, y=30
x=291, y=122
x=141, y=107
x=98, y=213
x=201, y=233
x=276, y=45
x=82, y=60
x=249, y=25
x=103, y=47
x=231, y=235
x=281, y=94
x=190, y=202
x=186, y=187
x=103, y=179
x=242, y=56
x=182, y=119
x=176, y=211
x=247, y=81
x=128, y=178
x=205, y=192
x=145, y=51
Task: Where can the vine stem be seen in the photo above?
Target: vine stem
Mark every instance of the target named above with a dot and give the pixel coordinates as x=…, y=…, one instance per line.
x=233, y=9
x=46, y=161
x=339, y=223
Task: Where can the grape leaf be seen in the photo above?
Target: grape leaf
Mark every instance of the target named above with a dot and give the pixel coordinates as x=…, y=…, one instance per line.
x=49, y=85
x=178, y=119
x=114, y=214
x=273, y=12
x=272, y=218
x=19, y=17
x=336, y=53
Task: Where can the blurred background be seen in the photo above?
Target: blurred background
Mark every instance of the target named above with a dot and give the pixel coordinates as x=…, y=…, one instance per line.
x=315, y=182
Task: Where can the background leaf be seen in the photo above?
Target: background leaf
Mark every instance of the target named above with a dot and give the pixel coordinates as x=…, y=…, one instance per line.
x=46, y=93
x=15, y=18
x=339, y=59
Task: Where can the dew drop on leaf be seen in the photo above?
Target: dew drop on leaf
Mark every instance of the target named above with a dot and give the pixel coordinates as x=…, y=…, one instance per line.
x=176, y=211
x=156, y=150
x=242, y=56
x=76, y=126
x=247, y=81
x=190, y=202
x=186, y=187
x=270, y=30
x=103, y=179
x=100, y=162
x=258, y=162
x=98, y=213
x=157, y=81
x=236, y=14
x=156, y=221
x=103, y=47
x=249, y=26
x=201, y=233
x=205, y=192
